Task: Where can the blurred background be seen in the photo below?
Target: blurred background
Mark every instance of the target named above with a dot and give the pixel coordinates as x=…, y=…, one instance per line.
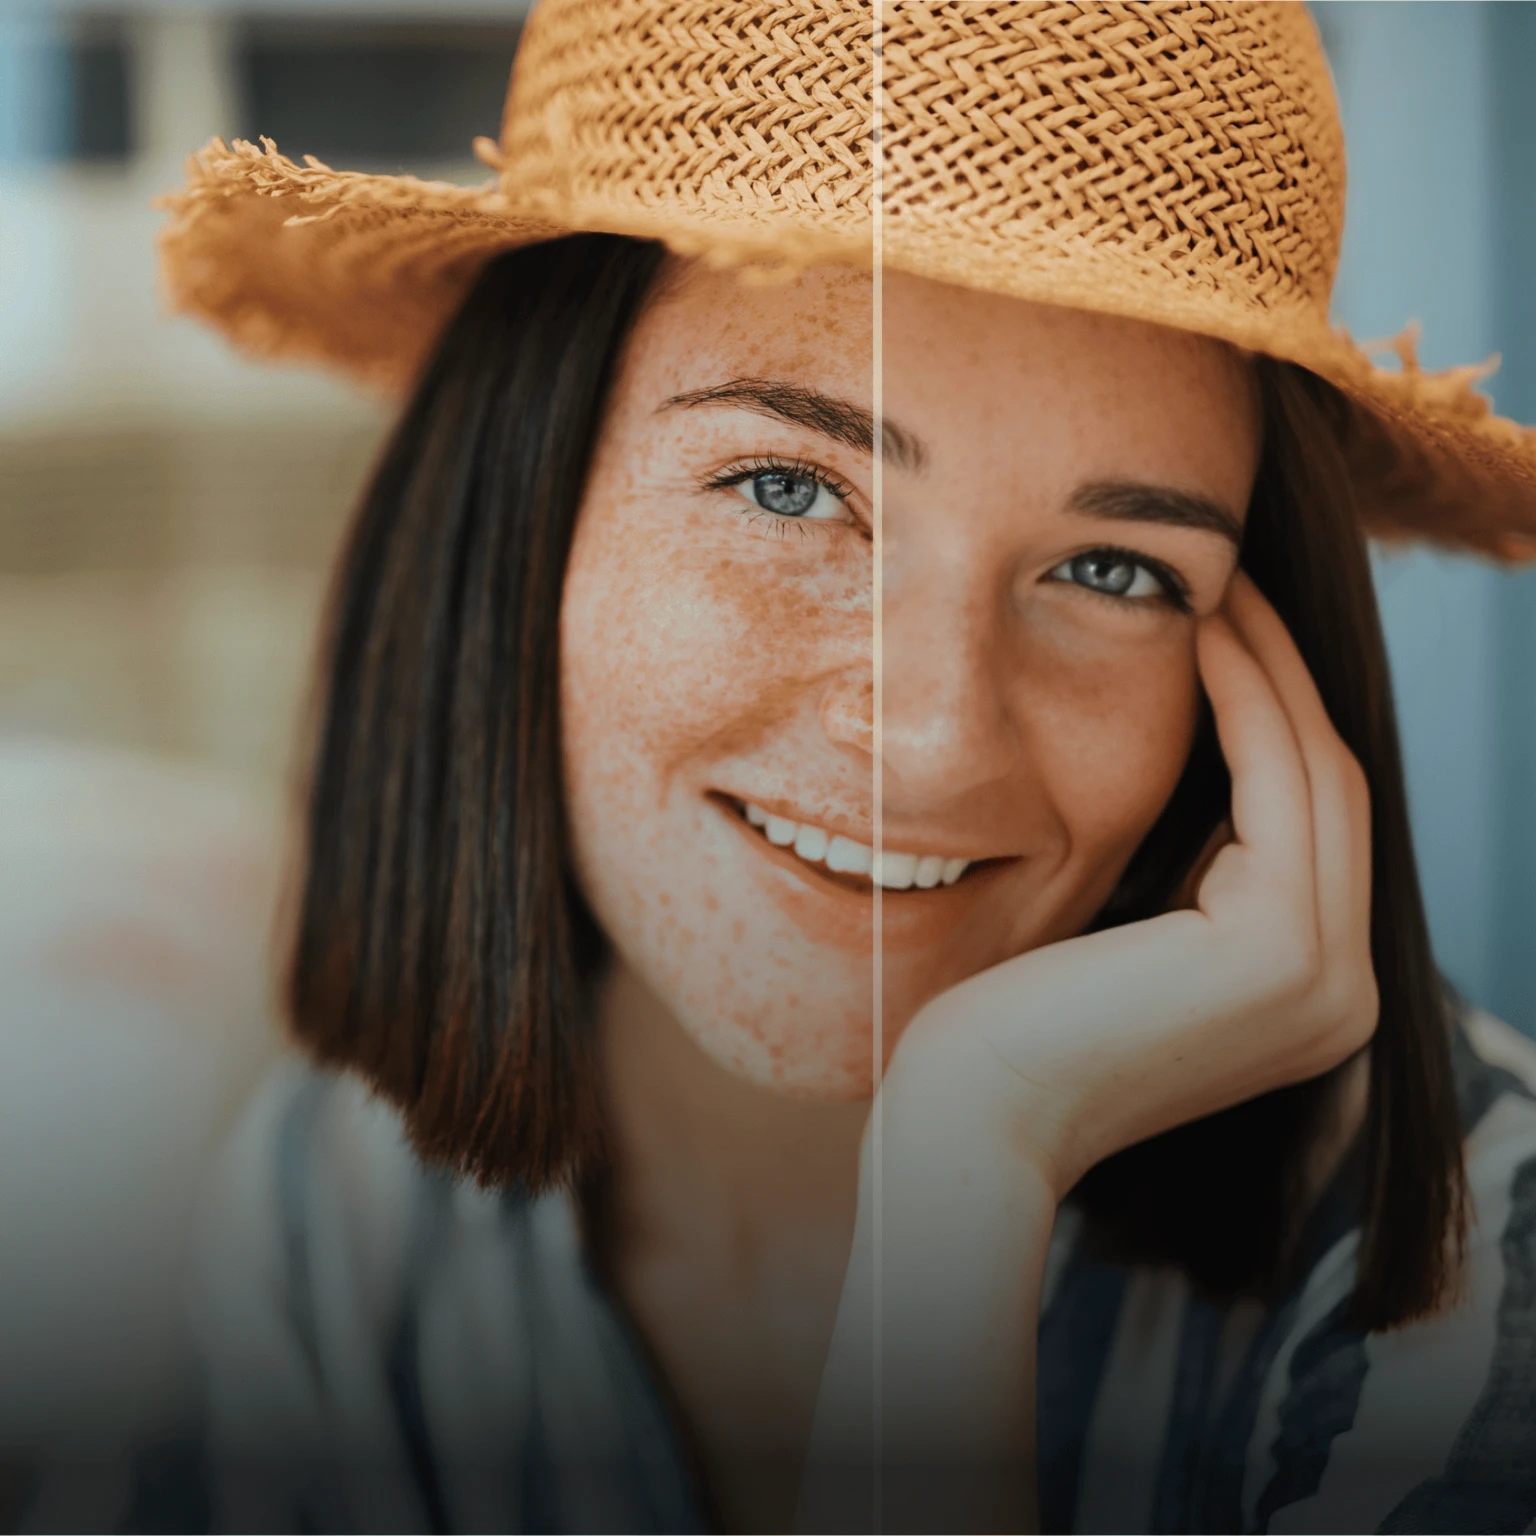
x=167, y=517
x=166, y=510
x=1440, y=126
x=168, y=513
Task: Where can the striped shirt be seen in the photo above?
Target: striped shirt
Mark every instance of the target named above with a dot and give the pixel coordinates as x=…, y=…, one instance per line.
x=389, y=1350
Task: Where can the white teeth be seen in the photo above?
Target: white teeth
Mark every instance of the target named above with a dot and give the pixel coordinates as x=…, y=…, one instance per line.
x=930, y=870
x=781, y=833
x=894, y=871
x=847, y=857
x=811, y=844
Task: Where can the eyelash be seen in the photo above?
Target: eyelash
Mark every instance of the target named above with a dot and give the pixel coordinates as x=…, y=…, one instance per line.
x=1175, y=589
x=768, y=464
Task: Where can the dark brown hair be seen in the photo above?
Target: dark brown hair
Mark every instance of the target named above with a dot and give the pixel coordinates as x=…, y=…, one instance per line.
x=442, y=949
x=1224, y=1197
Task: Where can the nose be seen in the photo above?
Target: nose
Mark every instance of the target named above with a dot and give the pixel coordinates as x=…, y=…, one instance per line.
x=946, y=729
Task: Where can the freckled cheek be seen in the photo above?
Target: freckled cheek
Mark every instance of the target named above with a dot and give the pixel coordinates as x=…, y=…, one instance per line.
x=676, y=628
x=674, y=646
x=675, y=657
x=1110, y=742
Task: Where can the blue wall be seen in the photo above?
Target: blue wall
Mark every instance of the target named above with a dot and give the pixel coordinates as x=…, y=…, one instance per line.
x=1512, y=49
x=1440, y=125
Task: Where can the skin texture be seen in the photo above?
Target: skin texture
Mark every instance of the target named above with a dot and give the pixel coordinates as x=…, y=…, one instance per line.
x=1011, y=1085
x=704, y=652
x=710, y=650
x=1027, y=718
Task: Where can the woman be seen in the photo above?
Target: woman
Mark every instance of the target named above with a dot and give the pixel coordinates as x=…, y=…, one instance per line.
x=879, y=846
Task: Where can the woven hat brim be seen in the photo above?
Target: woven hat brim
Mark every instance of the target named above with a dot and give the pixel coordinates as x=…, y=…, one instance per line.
x=352, y=271
x=359, y=273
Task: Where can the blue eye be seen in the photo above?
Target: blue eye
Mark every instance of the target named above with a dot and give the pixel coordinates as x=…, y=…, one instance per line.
x=791, y=495
x=1113, y=573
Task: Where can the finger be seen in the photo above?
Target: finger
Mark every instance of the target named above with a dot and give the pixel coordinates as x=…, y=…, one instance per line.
x=1341, y=830
x=1187, y=895
x=1270, y=794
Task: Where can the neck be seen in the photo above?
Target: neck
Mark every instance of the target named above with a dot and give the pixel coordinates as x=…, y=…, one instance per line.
x=710, y=1165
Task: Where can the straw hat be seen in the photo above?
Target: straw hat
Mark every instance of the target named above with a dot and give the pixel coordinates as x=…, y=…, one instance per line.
x=1169, y=161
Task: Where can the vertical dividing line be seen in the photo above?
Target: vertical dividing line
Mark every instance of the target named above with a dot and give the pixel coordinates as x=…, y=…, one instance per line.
x=877, y=1001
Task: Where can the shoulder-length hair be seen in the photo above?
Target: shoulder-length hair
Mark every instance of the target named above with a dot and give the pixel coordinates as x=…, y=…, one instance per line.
x=441, y=947
x=1225, y=1197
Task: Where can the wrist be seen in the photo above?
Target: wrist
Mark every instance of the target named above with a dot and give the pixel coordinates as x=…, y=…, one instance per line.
x=948, y=1101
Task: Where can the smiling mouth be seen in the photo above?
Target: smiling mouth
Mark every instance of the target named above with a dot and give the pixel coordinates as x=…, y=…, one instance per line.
x=852, y=863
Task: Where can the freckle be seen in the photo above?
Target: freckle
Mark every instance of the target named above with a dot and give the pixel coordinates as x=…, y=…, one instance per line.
x=711, y=902
x=738, y=932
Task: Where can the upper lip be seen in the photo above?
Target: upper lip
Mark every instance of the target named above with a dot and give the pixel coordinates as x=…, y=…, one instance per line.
x=919, y=843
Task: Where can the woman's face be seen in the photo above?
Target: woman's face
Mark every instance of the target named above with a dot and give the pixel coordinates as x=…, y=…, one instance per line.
x=1060, y=495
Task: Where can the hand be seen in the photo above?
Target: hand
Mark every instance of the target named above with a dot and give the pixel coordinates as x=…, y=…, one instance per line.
x=1265, y=980
x=1006, y=1089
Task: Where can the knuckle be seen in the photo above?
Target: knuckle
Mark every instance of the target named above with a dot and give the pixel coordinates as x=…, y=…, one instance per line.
x=1365, y=1013
x=1348, y=1005
x=1356, y=784
x=1295, y=961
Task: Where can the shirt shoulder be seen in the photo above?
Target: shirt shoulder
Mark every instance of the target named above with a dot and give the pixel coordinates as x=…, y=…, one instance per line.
x=389, y=1347
x=318, y=1172
x=1431, y=1426
x=310, y=1236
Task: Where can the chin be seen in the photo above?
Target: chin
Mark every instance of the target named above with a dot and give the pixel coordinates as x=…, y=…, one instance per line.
x=826, y=1058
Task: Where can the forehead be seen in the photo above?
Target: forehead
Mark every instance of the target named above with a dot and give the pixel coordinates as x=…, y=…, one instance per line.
x=817, y=328
x=1015, y=387
x=991, y=384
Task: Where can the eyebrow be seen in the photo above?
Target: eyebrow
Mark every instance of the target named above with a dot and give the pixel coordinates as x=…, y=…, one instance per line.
x=840, y=420
x=1137, y=503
